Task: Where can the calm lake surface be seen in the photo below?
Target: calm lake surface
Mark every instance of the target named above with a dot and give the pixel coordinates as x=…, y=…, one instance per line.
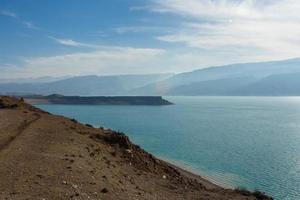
x=253, y=142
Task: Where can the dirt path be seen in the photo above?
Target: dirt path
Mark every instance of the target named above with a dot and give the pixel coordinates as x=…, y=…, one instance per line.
x=20, y=130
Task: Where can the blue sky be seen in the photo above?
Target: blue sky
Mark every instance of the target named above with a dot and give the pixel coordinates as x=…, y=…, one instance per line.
x=75, y=37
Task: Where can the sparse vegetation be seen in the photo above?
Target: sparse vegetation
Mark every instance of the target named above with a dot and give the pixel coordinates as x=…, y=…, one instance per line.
x=257, y=194
x=74, y=120
x=89, y=125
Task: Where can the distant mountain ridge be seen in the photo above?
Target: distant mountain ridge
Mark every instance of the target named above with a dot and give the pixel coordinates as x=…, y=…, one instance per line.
x=274, y=85
x=274, y=78
x=201, y=82
x=84, y=85
x=45, y=79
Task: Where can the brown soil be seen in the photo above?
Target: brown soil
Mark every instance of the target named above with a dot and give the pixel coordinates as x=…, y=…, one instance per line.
x=44, y=156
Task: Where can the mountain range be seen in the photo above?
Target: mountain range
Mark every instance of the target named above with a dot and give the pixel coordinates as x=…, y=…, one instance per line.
x=275, y=78
x=84, y=85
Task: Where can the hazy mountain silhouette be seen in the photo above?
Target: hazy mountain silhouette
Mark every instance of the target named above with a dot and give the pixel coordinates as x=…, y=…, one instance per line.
x=84, y=85
x=274, y=85
x=226, y=80
x=261, y=78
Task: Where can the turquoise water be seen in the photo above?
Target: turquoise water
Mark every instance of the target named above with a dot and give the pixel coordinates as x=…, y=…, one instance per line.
x=252, y=142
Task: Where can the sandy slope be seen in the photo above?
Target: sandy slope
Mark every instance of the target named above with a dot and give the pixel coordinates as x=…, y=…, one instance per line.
x=44, y=156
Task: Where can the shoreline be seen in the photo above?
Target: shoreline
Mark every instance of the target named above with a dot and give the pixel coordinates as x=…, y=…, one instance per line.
x=207, y=181
x=184, y=170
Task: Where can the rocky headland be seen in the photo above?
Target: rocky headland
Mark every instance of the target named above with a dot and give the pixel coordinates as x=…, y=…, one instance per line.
x=97, y=100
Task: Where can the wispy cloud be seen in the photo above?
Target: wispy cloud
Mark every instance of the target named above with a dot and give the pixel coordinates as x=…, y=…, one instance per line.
x=269, y=27
x=142, y=29
x=27, y=24
x=114, y=60
x=72, y=43
x=8, y=14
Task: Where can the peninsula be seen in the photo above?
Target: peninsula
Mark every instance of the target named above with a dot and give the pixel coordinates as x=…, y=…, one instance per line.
x=44, y=156
x=97, y=100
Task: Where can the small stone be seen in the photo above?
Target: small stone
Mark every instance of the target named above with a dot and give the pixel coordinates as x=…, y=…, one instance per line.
x=104, y=190
x=128, y=150
x=39, y=175
x=164, y=176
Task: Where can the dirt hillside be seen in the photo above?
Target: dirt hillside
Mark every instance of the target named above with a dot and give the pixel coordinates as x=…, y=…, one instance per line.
x=50, y=157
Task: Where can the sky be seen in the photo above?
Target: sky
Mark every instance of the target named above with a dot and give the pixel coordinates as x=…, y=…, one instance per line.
x=107, y=37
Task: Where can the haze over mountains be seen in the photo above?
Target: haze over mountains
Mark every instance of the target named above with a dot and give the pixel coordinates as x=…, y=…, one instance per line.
x=276, y=78
x=84, y=85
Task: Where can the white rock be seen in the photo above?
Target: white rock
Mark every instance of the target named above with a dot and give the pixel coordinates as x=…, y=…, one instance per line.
x=129, y=150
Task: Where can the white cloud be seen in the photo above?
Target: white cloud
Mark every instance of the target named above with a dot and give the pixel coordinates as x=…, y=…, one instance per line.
x=69, y=42
x=27, y=24
x=212, y=9
x=114, y=60
x=73, y=43
x=8, y=14
x=269, y=27
x=142, y=29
